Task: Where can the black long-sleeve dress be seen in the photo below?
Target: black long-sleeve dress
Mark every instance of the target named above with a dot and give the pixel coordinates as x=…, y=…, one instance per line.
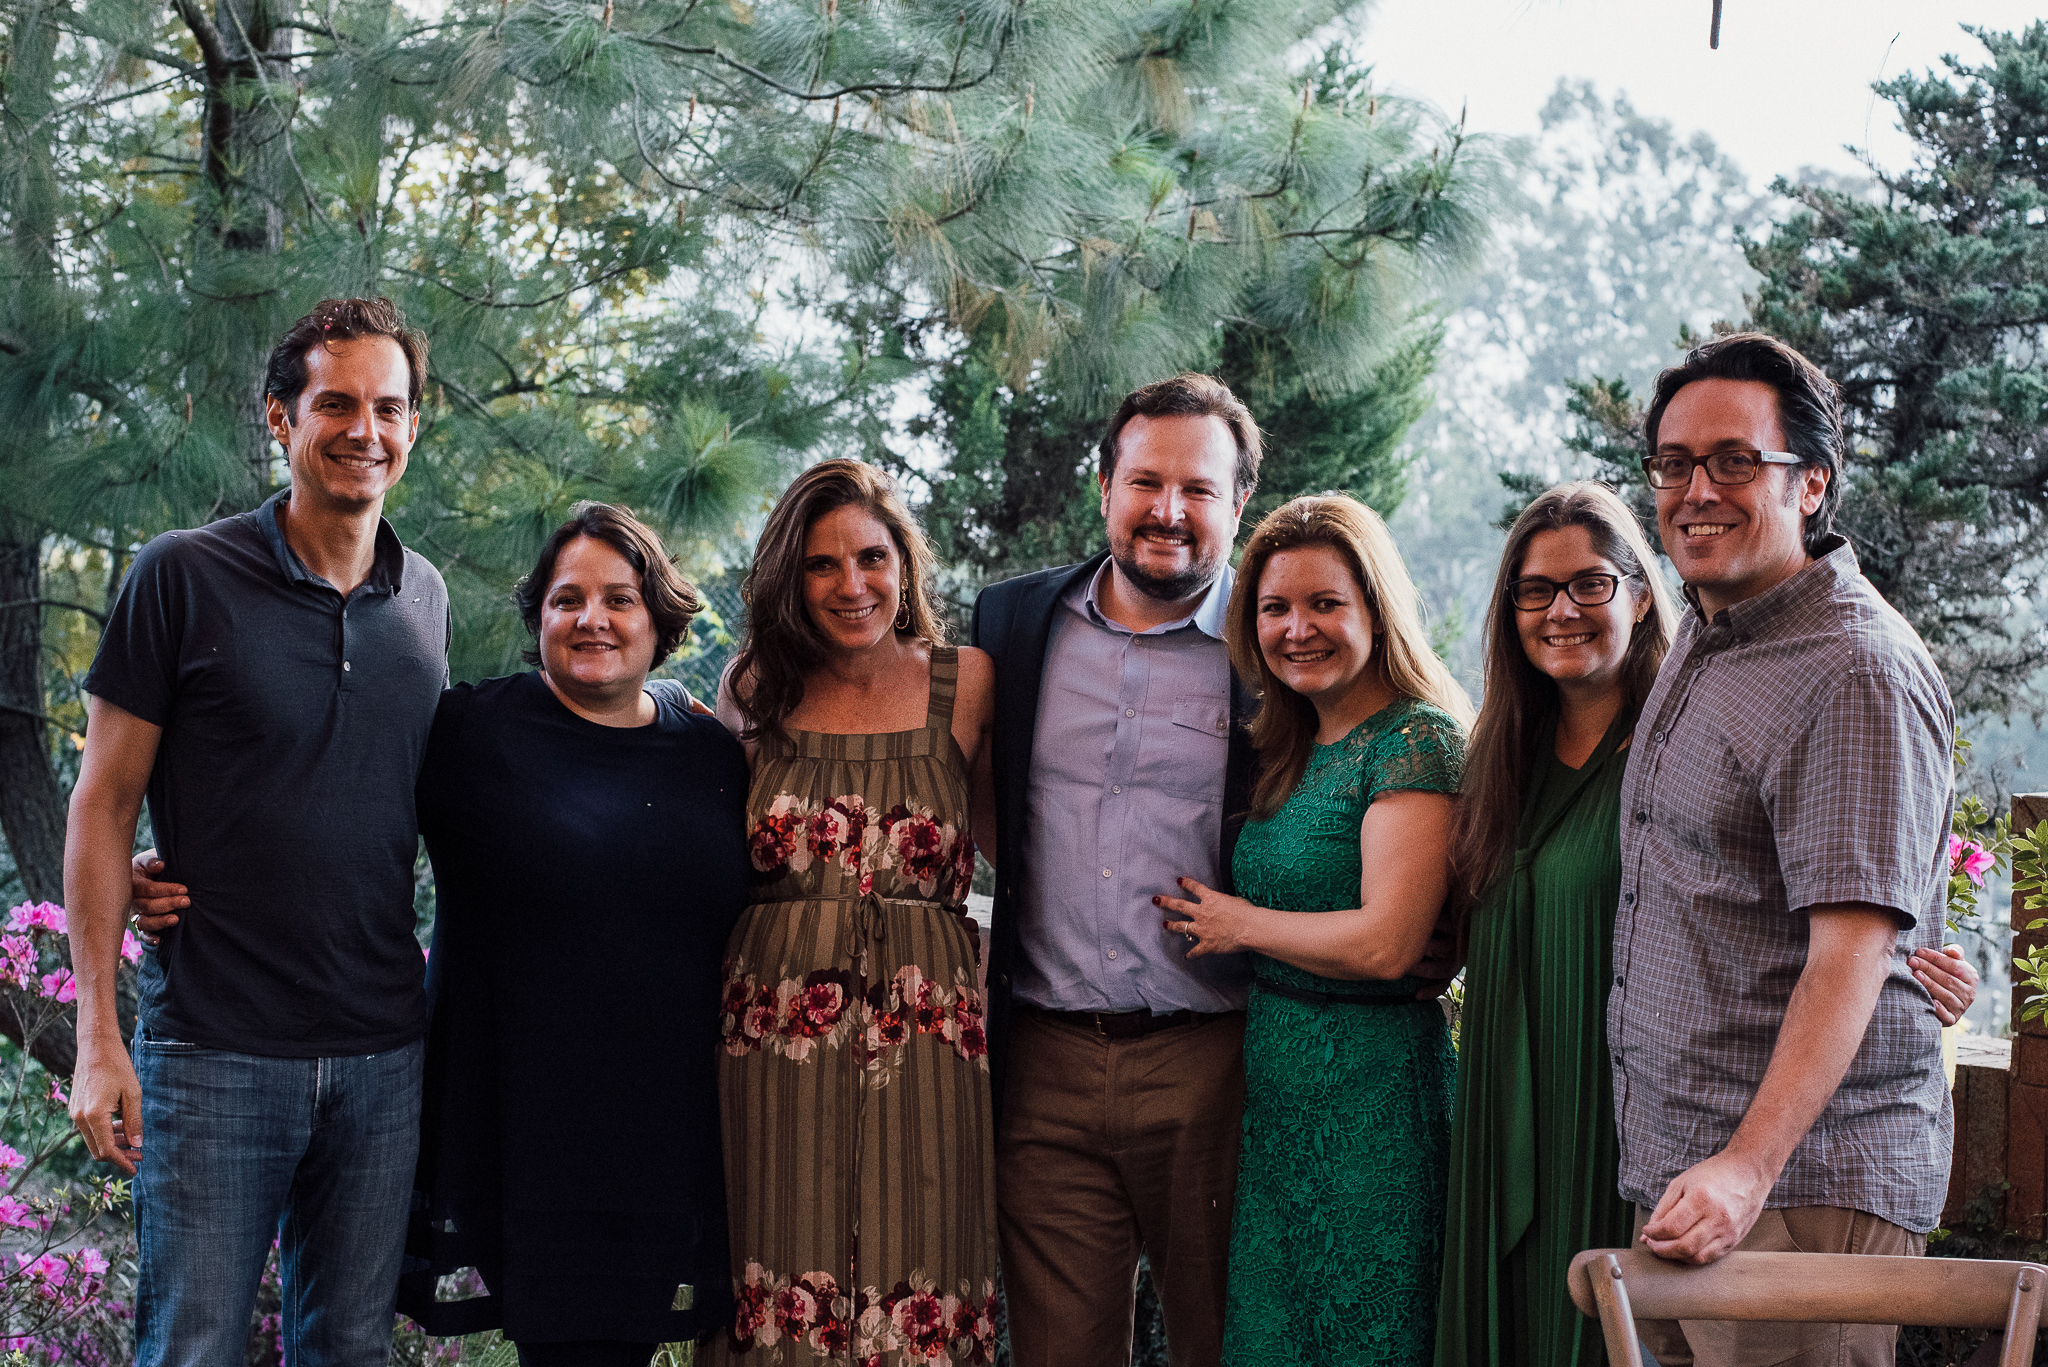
x=586, y=880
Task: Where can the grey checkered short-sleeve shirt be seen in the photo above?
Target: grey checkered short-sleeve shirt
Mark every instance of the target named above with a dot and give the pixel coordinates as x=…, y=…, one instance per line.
x=1794, y=752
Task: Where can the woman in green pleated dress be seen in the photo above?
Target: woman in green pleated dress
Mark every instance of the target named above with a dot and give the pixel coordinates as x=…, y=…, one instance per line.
x=1578, y=626
x=1344, y=867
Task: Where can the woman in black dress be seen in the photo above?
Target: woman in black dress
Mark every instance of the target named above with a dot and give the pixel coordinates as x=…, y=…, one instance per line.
x=570, y=1144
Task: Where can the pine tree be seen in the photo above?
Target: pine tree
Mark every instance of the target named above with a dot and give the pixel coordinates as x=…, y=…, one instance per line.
x=1293, y=256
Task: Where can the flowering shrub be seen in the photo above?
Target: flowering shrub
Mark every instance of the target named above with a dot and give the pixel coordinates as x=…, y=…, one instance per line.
x=1973, y=852
x=65, y=1257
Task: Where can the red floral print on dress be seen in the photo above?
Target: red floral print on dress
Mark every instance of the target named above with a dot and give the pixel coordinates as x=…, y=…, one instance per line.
x=936, y=858
x=914, y=1325
x=794, y=1016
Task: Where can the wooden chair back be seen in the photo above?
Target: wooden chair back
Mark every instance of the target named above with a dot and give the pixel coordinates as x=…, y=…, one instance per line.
x=1617, y=1286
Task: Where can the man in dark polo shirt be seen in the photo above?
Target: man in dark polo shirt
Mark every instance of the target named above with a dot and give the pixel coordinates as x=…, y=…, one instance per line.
x=267, y=683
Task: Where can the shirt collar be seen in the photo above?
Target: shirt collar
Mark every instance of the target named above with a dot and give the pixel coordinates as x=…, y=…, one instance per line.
x=1836, y=564
x=1207, y=618
x=387, y=565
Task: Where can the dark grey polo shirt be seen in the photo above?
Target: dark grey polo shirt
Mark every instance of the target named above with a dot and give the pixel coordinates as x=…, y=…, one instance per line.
x=293, y=726
x=1795, y=752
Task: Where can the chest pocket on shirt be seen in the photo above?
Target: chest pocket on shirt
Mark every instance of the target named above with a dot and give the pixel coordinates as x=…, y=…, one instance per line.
x=1188, y=757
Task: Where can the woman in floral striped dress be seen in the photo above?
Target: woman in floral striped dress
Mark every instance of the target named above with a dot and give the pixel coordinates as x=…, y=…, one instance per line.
x=854, y=1083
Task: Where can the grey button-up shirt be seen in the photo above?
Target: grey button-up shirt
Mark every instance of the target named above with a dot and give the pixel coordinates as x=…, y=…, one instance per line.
x=1795, y=752
x=1126, y=795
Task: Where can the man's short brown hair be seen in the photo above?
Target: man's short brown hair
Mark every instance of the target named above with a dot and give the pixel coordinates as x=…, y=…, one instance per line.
x=341, y=320
x=1190, y=396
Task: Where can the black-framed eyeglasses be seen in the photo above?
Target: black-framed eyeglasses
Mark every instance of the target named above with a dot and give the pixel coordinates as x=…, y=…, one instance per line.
x=1738, y=466
x=1588, y=591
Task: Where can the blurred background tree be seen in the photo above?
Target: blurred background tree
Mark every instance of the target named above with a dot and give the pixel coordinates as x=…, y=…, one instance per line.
x=1623, y=234
x=1926, y=298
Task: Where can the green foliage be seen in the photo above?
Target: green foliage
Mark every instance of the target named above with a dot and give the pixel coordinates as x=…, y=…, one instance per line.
x=1281, y=231
x=1925, y=302
x=2030, y=882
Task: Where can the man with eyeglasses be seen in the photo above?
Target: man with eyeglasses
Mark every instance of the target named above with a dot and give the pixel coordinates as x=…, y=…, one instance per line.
x=1777, y=1069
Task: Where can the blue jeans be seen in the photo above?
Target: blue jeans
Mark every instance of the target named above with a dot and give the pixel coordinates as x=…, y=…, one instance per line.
x=238, y=1149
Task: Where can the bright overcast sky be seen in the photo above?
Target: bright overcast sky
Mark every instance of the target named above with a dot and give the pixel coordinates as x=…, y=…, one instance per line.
x=1789, y=86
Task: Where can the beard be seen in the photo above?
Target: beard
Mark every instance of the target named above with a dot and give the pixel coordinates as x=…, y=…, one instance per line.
x=1171, y=587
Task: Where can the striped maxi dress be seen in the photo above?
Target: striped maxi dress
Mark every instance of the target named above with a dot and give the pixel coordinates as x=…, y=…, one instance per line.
x=854, y=1083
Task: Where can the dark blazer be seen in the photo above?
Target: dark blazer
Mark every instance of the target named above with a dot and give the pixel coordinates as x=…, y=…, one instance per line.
x=1013, y=622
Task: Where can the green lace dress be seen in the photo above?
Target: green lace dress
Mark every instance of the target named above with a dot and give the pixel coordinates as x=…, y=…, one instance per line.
x=1335, y=1246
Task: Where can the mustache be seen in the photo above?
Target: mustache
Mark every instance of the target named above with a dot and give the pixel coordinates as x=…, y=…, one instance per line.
x=1161, y=529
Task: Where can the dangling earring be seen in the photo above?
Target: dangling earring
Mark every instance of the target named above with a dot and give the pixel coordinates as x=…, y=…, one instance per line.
x=903, y=613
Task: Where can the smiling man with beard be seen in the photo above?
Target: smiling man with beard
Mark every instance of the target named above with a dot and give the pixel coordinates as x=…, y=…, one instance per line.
x=1118, y=1062
x=267, y=682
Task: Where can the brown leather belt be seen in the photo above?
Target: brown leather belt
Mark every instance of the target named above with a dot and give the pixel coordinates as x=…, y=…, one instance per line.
x=1128, y=1024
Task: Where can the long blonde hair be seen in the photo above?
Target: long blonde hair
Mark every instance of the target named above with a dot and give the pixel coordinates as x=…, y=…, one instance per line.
x=1284, y=732
x=1520, y=698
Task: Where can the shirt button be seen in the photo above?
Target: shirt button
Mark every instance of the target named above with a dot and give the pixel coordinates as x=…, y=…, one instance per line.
x=1105, y=873
x=1130, y=711
x=1628, y=899
x=1659, y=738
x=1642, y=817
x=1112, y=954
x=1620, y=981
x=344, y=666
x=1116, y=787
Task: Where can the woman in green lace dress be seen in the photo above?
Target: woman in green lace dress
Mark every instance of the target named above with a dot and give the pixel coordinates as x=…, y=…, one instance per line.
x=1343, y=867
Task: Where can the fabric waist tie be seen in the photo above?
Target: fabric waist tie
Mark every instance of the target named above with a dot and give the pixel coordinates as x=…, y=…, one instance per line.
x=1311, y=997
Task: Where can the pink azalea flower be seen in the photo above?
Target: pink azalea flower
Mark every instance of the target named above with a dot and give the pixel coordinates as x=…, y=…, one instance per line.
x=10, y=1158
x=93, y=1261
x=16, y=1213
x=1969, y=858
x=58, y=1094
x=60, y=985
x=40, y=916
x=131, y=948
x=49, y=1268
x=18, y=959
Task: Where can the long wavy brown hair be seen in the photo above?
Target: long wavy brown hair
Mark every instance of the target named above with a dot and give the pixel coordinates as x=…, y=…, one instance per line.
x=782, y=645
x=1284, y=732
x=1520, y=699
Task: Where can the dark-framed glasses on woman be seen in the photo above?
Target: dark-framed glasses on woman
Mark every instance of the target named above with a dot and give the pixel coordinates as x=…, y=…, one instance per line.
x=1738, y=466
x=1588, y=591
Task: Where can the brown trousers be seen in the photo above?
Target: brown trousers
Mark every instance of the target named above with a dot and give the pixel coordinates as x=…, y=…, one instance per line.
x=1107, y=1148
x=1800, y=1229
